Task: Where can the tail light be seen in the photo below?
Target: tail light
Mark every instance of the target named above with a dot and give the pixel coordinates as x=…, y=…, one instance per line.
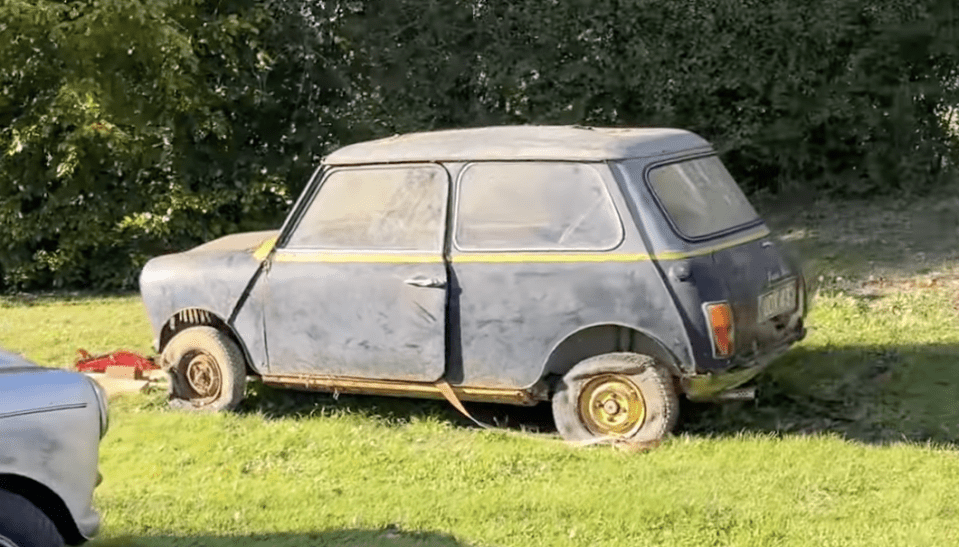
x=719, y=316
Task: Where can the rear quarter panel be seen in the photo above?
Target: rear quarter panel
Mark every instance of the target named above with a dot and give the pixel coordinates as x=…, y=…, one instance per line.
x=719, y=268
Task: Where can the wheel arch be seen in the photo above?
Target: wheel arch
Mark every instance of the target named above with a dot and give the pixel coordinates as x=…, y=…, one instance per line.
x=604, y=338
x=47, y=501
x=199, y=317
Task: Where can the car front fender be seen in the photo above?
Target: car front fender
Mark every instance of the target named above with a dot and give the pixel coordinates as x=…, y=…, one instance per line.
x=213, y=277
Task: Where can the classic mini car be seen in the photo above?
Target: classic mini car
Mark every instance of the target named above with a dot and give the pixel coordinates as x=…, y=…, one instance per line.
x=606, y=270
x=51, y=423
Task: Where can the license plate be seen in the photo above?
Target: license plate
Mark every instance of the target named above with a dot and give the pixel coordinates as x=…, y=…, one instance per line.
x=780, y=300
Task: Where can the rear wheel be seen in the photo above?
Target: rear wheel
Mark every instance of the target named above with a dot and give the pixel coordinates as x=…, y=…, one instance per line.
x=22, y=524
x=617, y=397
x=206, y=368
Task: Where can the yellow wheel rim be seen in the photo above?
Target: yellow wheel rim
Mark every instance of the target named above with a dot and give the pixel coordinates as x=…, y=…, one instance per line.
x=612, y=405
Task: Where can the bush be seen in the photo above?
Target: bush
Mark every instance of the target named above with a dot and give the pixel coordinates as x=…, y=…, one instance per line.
x=130, y=128
x=135, y=127
x=843, y=95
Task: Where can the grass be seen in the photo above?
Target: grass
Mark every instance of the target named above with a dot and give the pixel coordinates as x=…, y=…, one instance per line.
x=51, y=328
x=852, y=441
x=173, y=477
x=868, y=246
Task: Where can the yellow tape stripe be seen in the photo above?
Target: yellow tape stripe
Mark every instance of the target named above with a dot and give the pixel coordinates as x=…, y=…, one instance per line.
x=677, y=255
x=500, y=258
x=494, y=258
x=264, y=249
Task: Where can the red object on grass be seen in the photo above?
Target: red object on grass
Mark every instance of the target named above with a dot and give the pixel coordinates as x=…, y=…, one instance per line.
x=89, y=363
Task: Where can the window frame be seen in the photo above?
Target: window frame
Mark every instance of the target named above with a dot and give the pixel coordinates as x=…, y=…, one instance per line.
x=319, y=181
x=455, y=216
x=669, y=217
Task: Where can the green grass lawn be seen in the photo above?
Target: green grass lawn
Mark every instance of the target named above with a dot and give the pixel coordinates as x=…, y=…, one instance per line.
x=852, y=441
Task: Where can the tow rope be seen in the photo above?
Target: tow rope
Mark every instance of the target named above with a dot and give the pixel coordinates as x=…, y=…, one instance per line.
x=447, y=390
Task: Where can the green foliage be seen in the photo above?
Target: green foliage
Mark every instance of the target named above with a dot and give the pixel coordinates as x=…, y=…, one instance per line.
x=126, y=131
x=131, y=128
x=846, y=94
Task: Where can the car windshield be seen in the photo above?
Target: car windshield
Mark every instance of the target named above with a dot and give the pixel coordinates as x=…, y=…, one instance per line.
x=699, y=196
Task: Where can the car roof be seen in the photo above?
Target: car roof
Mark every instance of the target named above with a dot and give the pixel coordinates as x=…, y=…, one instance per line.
x=520, y=142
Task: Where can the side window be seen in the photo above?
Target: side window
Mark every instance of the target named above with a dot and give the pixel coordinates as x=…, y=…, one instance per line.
x=376, y=208
x=535, y=206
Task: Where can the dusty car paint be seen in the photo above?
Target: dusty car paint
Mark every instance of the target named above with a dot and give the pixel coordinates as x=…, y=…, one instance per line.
x=520, y=143
x=51, y=423
x=501, y=324
x=211, y=277
x=737, y=267
x=373, y=324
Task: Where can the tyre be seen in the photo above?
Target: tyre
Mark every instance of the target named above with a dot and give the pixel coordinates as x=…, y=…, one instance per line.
x=22, y=524
x=622, y=397
x=206, y=368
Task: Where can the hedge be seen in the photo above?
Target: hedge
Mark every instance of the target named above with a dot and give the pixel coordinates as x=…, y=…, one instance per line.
x=130, y=128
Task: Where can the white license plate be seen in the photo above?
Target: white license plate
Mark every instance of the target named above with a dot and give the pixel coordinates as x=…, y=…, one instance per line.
x=780, y=300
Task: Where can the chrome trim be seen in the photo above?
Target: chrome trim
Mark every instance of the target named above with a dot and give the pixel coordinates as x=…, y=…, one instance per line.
x=52, y=408
x=101, y=395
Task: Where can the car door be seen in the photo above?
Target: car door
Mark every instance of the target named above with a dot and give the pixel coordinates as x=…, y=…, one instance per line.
x=358, y=286
x=532, y=262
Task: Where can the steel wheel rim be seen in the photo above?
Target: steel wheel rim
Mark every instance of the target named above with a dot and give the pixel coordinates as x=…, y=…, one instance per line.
x=612, y=405
x=203, y=376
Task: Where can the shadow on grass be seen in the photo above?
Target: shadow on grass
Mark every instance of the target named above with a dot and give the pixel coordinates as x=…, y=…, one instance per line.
x=281, y=403
x=862, y=393
x=339, y=538
x=891, y=237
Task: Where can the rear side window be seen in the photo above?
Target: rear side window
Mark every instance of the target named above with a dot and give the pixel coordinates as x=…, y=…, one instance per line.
x=375, y=208
x=699, y=195
x=535, y=206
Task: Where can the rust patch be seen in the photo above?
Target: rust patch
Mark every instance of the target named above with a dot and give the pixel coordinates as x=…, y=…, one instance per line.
x=361, y=386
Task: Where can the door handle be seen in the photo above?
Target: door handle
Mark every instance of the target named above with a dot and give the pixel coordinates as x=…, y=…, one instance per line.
x=432, y=283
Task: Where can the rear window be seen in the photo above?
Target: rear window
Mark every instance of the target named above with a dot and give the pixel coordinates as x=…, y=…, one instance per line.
x=699, y=196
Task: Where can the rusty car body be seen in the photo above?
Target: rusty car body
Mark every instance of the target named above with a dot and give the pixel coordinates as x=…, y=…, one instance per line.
x=607, y=270
x=51, y=423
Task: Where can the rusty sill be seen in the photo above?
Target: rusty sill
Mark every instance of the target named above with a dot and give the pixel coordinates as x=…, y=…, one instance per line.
x=423, y=390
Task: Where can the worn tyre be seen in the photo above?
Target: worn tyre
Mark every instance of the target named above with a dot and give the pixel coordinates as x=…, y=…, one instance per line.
x=617, y=397
x=22, y=524
x=206, y=368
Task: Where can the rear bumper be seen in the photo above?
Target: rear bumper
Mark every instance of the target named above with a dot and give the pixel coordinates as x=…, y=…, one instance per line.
x=705, y=387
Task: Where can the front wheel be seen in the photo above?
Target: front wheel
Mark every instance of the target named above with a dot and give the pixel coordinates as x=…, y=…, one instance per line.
x=22, y=524
x=206, y=368
x=617, y=397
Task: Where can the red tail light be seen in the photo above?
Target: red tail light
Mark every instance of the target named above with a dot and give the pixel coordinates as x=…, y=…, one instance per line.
x=721, y=328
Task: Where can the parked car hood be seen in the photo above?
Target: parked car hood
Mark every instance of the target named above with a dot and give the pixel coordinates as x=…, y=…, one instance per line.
x=9, y=360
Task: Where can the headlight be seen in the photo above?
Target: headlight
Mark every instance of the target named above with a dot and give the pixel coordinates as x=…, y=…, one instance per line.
x=104, y=407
